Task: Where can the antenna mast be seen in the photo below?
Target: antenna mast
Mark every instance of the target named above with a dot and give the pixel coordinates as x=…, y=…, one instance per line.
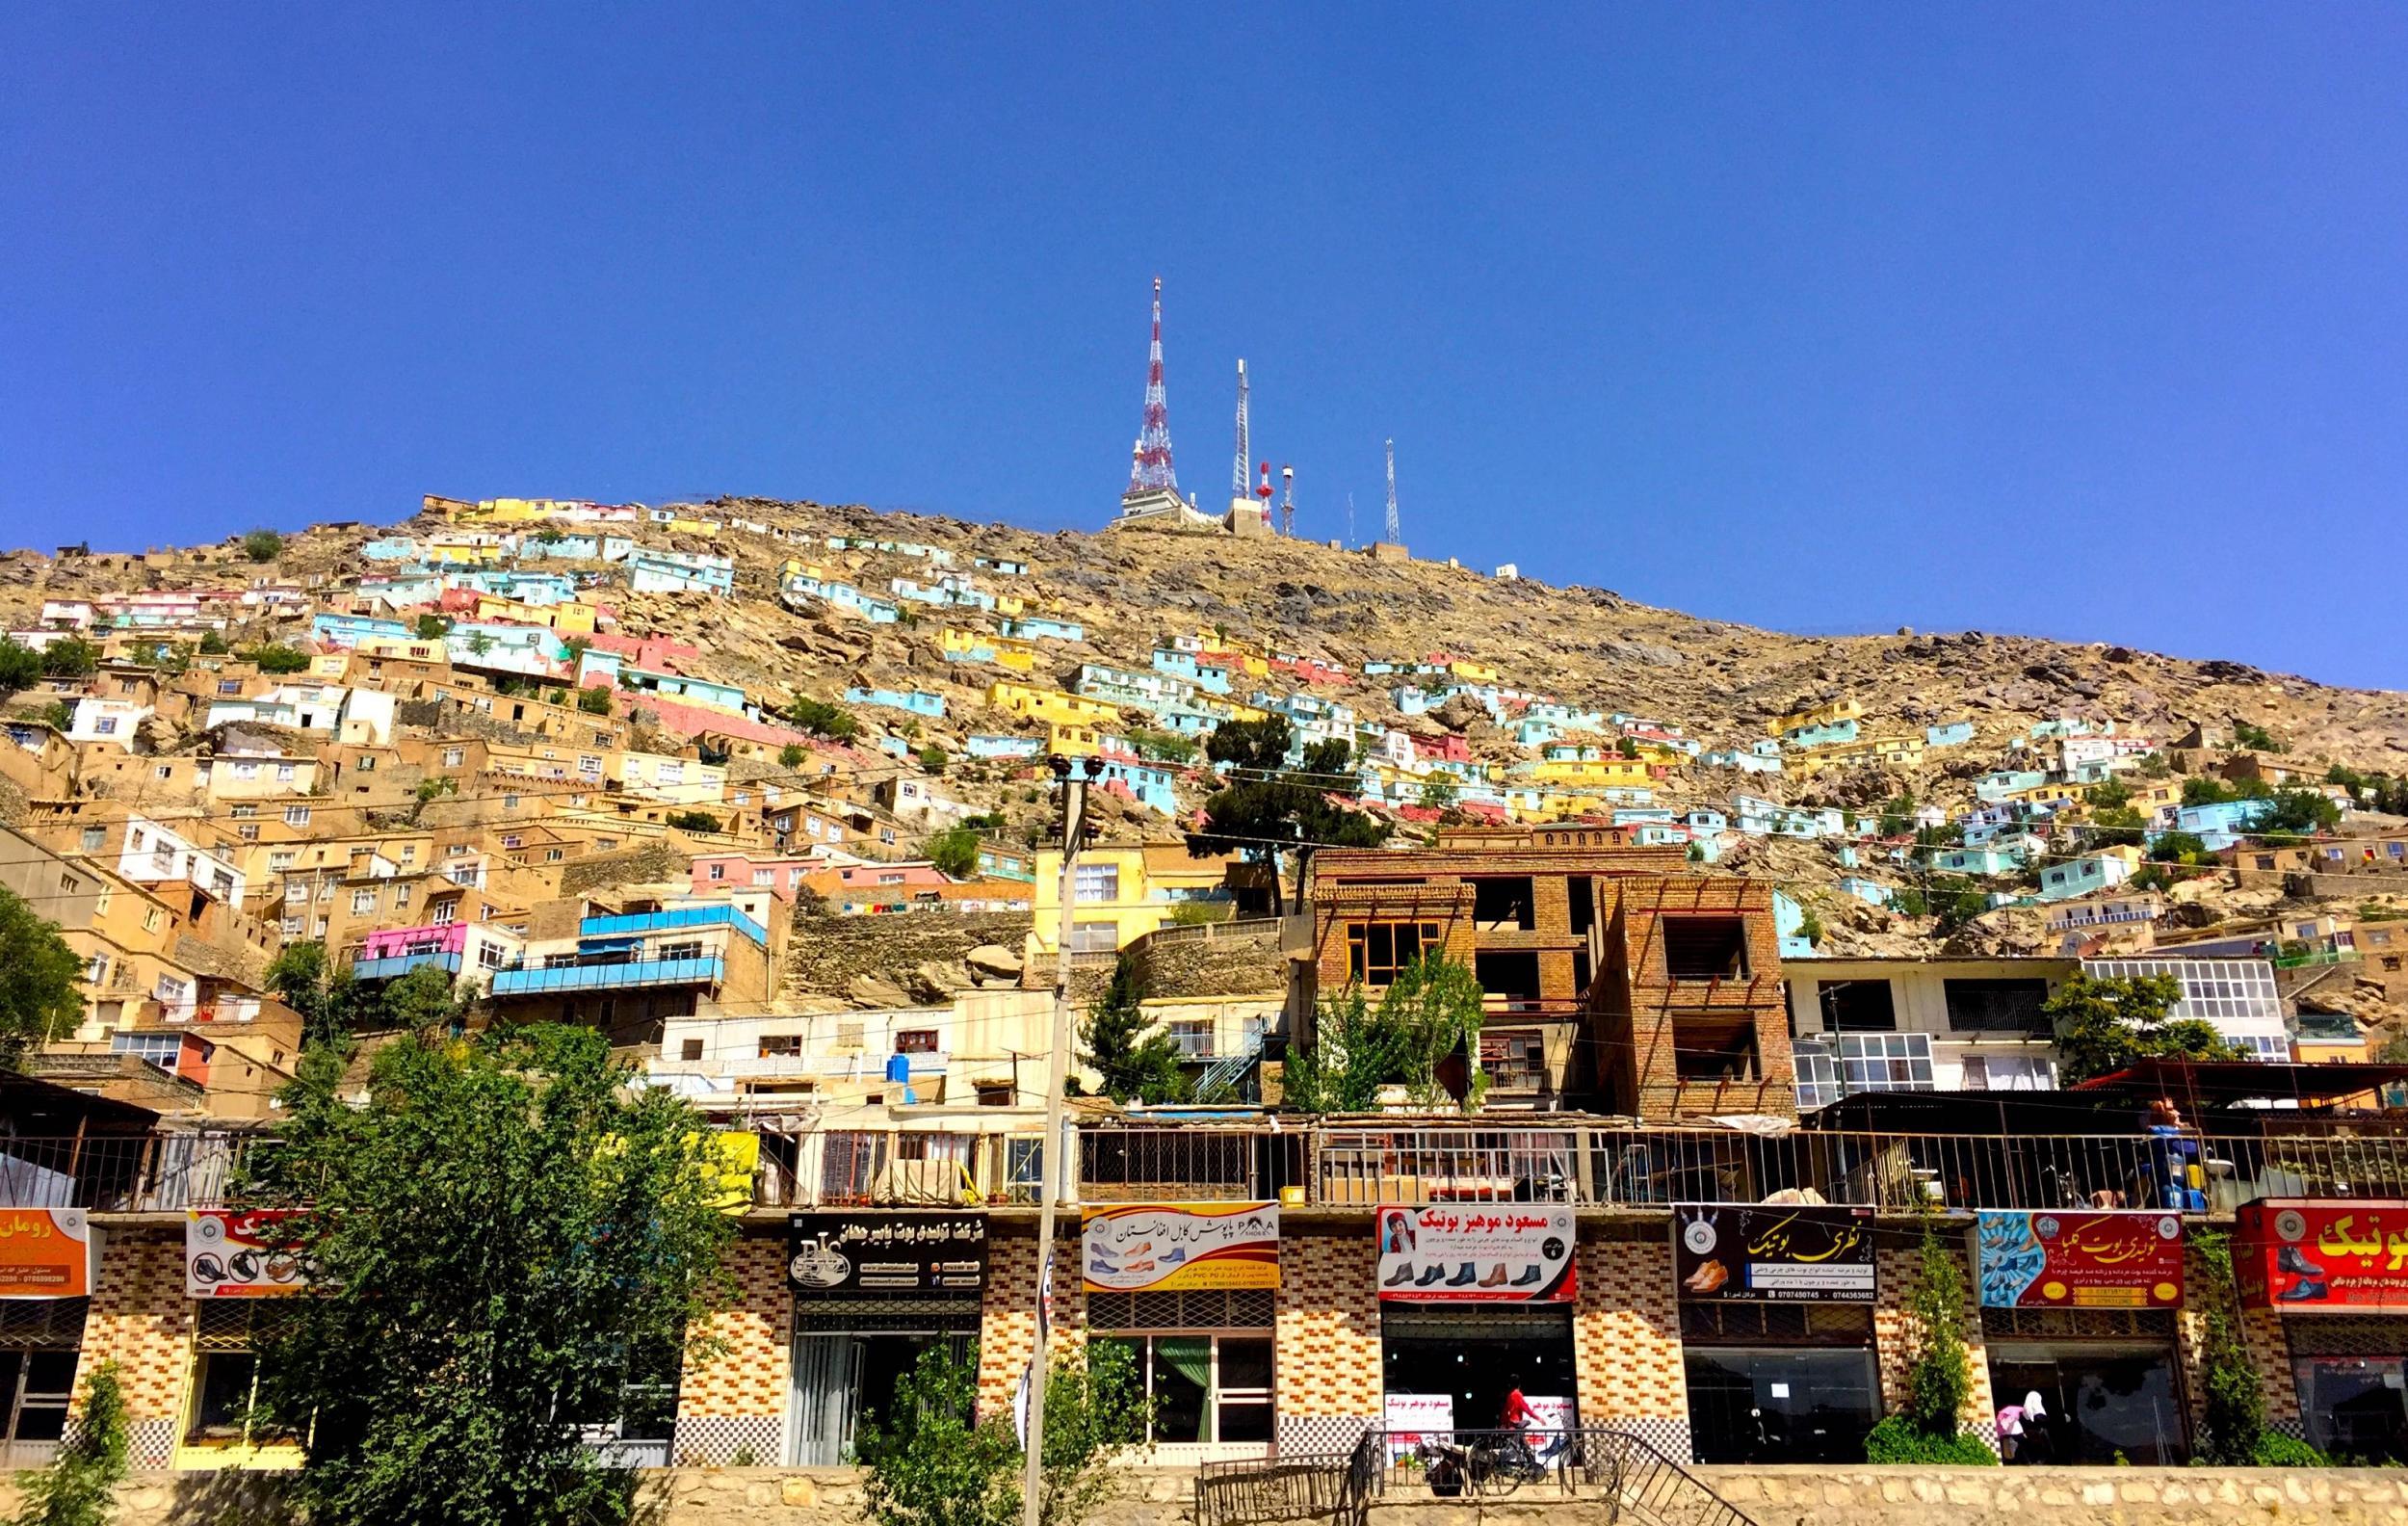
x=1395, y=532
x=1150, y=465
x=1238, y=486
x=1287, y=502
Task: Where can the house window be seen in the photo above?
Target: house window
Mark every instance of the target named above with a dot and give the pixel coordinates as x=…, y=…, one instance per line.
x=443, y=914
x=296, y=815
x=150, y=919
x=772, y=1046
x=1885, y=1062
x=690, y=1049
x=1705, y=948
x=1377, y=951
x=1097, y=883
x=1094, y=938
x=244, y=812
x=106, y=725
x=363, y=901
x=2008, y=1073
x=488, y=954
x=1193, y=1038
x=1204, y=1387
x=97, y=970
x=367, y=765
x=684, y=949
x=719, y=871
x=94, y=837
x=248, y=831
x=243, y=771
x=1979, y=1006
x=915, y=1040
x=225, y=1375
x=453, y=757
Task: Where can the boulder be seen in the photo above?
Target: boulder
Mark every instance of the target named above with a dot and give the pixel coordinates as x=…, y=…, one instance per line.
x=994, y=960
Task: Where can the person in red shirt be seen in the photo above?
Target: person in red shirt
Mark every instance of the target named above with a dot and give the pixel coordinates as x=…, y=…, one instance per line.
x=1518, y=1415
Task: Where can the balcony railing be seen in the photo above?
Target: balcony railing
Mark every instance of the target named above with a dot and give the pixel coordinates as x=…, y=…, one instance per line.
x=121, y=1174
x=1192, y=1163
x=394, y=965
x=897, y=1169
x=607, y=975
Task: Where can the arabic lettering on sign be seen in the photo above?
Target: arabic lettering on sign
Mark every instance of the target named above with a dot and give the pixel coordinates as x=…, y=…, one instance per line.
x=45, y=1253
x=887, y=1253
x=1456, y=1256
x=1159, y=1248
x=1756, y=1253
x=2289, y=1255
x=2079, y=1258
x=242, y=1254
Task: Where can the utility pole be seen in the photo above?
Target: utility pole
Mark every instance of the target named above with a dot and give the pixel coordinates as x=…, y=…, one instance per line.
x=1053, y=1158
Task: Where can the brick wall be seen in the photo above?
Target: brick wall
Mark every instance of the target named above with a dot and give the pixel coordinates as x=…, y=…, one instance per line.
x=1007, y=1314
x=142, y=1321
x=1626, y=1341
x=1896, y=1330
x=1328, y=1382
x=735, y=1400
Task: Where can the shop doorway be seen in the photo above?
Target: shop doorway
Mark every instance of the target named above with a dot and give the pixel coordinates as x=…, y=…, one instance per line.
x=845, y=1377
x=1472, y=1358
x=2356, y=1407
x=2106, y=1402
x=1780, y=1382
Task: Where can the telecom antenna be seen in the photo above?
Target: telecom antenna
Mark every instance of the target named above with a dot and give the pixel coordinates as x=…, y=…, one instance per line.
x=1395, y=532
x=1349, y=519
x=1287, y=502
x=1151, y=467
x=1238, y=484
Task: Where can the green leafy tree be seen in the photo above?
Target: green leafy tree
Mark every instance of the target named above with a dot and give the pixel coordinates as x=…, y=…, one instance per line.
x=1955, y=900
x=262, y=545
x=2255, y=737
x=1267, y=806
x=1432, y=1009
x=1897, y=814
x=955, y=851
x=2234, y=1399
x=2298, y=813
x=20, y=667
x=1164, y=746
x=594, y=700
x=791, y=755
x=430, y=627
x=1095, y=1409
x=822, y=719
x=1435, y=1007
x=2107, y=796
x=79, y=1486
x=2180, y=847
x=1132, y=1064
x=278, y=659
x=71, y=658
x=425, y=1000
x=331, y=1003
x=1441, y=794
x=2117, y=827
x=478, y=644
x=693, y=821
x=511, y=1242
x=1910, y=902
x=933, y=758
x=2108, y=1024
x=39, y=1001
x=213, y=644
x=1810, y=928
x=1929, y=1429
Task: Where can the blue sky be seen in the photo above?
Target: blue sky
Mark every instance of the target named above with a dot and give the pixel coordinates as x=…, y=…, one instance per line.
x=2082, y=321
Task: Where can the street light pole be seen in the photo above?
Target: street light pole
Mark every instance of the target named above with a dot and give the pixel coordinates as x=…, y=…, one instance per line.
x=1052, y=1157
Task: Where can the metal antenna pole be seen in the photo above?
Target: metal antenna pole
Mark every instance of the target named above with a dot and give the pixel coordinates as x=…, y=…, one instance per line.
x=1052, y=1157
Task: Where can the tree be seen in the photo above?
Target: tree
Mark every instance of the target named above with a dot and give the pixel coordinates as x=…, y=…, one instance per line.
x=1434, y=1009
x=2180, y=847
x=594, y=700
x=2106, y=1025
x=1267, y=806
x=1441, y=793
x=693, y=821
x=213, y=644
x=71, y=658
x=78, y=1488
x=510, y=1241
x=262, y=545
x=19, y=667
x=1930, y=1428
x=1095, y=1409
x=478, y=644
x=2234, y=1399
x=1134, y=1065
x=2255, y=737
x=1164, y=746
x=2297, y=812
x=430, y=627
x=275, y=658
x=331, y=1004
x=1955, y=900
x=791, y=755
x=955, y=851
x=933, y=758
x=2107, y=796
x=822, y=719
x=1897, y=814
x=425, y=1000
x=2117, y=827
x=39, y=1001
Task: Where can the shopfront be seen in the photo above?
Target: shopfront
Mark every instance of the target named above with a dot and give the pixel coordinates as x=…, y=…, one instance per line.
x=873, y=1292
x=1474, y=1299
x=1776, y=1330
x=2335, y=1275
x=45, y=1288
x=2077, y=1310
x=1192, y=1291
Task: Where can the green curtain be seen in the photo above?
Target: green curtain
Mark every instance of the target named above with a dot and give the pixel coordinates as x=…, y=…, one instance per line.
x=1191, y=1356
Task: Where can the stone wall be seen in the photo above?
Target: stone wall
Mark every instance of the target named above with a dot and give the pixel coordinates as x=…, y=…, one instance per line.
x=827, y=955
x=1182, y=963
x=654, y=862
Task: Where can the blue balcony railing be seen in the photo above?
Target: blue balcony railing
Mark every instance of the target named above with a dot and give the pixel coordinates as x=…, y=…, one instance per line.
x=393, y=966
x=645, y=922
x=622, y=974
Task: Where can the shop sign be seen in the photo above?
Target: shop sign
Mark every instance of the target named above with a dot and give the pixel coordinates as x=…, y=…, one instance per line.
x=2322, y=1256
x=2077, y=1258
x=1411, y=1419
x=233, y=1253
x=887, y=1254
x=45, y=1253
x=1477, y=1253
x=1749, y=1253
x=1181, y=1247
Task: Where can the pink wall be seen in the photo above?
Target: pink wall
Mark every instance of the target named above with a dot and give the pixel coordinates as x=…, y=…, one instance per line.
x=389, y=943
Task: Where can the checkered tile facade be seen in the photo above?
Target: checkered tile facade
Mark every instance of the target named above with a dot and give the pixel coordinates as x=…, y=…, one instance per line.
x=1896, y=1329
x=1007, y=1315
x=2269, y=1352
x=736, y=1397
x=1327, y=1351
x=1626, y=1341
x=142, y=1321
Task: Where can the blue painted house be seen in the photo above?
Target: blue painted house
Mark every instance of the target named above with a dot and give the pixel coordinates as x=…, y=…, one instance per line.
x=1043, y=627
x=919, y=702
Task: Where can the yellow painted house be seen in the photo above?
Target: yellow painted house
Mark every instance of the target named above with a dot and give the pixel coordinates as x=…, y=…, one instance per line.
x=573, y=616
x=1832, y=713
x=1124, y=892
x=1050, y=706
x=1893, y=752
x=1471, y=672
x=967, y=645
x=464, y=553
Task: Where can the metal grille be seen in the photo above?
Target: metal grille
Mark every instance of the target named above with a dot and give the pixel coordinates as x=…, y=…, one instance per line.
x=2347, y=1335
x=235, y=1325
x=2021, y=1324
x=1822, y=1324
x=44, y=1324
x=881, y=1316
x=1220, y=1309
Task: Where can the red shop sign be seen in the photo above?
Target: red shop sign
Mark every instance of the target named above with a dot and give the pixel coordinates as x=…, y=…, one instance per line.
x=2322, y=1256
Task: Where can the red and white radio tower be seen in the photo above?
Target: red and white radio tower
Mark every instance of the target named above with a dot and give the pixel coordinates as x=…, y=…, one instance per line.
x=1151, y=467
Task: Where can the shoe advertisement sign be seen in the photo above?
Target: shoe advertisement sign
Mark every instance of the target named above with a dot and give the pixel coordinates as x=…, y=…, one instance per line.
x=1476, y=1253
x=239, y=1254
x=1752, y=1253
x=1180, y=1248
x=2322, y=1256
x=2077, y=1258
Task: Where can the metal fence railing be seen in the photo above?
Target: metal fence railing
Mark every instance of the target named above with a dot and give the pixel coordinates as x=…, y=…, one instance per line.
x=1608, y=1466
x=1189, y=1163
x=123, y=1174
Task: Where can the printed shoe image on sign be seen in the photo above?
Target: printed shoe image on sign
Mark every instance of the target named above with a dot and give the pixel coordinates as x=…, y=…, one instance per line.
x=1169, y=1248
x=1475, y=1253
